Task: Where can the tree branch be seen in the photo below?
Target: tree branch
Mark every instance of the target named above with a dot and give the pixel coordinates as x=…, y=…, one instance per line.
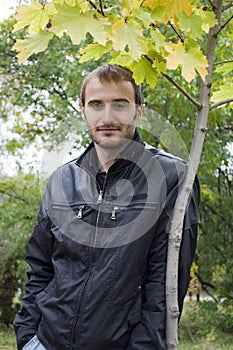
x=184, y=92
x=177, y=33
x=222, y=62
x=226, y=7
x=101, y=8
x=15, y=195
x=212, y=5
x=224, y=25
x=220, y=103
x=44, y=4
x=63, y=95
x=100, y=11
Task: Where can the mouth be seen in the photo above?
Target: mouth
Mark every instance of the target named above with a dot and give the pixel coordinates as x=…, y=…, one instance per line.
x=108, y=129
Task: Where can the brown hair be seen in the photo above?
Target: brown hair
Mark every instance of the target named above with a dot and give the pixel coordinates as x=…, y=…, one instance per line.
x=115, y=73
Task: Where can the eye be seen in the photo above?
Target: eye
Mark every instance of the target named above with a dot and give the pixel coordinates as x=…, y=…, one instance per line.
x=119, y=106
x=96, y=106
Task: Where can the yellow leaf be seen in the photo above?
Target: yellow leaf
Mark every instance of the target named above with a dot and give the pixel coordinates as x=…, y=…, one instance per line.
x=35, y=43
x=190, y=61
x=128, y=5
x=128, y=35
x=172, y=7
x=34, y=16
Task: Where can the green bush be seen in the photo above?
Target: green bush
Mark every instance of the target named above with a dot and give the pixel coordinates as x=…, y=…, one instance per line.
x=207, y=320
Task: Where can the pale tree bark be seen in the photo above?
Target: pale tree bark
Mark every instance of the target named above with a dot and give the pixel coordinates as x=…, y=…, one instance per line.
x=175, y=234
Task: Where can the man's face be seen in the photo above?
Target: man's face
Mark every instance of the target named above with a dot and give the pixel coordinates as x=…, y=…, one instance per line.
x=110, y=112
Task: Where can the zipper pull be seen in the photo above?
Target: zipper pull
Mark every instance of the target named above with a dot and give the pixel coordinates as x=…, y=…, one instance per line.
x=113, y=217
x=80, y=213
x=100, y=197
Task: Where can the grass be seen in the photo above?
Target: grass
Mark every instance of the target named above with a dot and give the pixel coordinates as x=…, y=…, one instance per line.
x=7, y=338
x=189, y=342
x=201, y=328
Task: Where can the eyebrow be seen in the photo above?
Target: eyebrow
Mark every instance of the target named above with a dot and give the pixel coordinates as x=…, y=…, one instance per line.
x=115, y=100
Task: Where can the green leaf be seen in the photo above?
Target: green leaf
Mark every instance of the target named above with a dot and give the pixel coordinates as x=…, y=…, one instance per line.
x=225, y=68
x=123, y=59
x=208, y=18
x=33, y=44
x=94, y=51
x=192, y=25
x=34, y=16
x=128, y=5
x=143, y=71
x=144, y=16
x=197, y=23
x=128, y=35
x=76, y=24
x=223, y=93
x=158, y=39
x=82, y=4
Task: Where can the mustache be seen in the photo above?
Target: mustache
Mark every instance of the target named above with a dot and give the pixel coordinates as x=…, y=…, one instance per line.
x=110, y=126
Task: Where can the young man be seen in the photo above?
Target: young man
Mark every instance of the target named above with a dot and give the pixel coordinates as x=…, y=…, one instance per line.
x=98, y=251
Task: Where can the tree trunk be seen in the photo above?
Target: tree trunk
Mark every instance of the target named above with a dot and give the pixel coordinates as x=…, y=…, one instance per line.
x=175, y=234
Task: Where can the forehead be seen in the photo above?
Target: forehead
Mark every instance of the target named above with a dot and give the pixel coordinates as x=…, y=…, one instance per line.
x=108, y=91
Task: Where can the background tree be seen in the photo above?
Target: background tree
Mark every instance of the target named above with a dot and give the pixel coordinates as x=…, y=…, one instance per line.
x=19, y=202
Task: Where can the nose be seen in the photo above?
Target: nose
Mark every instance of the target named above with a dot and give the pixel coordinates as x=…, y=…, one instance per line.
x=107, y=113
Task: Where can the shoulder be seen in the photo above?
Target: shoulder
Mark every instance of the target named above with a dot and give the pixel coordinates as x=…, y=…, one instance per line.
x=171, y=164
x=160, y=153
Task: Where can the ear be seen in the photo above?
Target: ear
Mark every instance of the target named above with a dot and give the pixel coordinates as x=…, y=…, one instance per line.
x=139, y=113
x=83, y=112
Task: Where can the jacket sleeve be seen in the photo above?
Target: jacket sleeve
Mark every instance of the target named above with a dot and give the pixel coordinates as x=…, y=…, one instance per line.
x=150, y=332
x=38, y=256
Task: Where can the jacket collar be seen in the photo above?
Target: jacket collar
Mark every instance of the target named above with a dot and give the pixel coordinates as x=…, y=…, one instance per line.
x=132, y=151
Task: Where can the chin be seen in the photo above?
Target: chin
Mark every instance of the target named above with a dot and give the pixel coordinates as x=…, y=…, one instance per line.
x=112, y=143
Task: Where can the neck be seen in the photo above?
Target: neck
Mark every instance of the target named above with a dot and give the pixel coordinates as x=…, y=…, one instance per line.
x=106, y=157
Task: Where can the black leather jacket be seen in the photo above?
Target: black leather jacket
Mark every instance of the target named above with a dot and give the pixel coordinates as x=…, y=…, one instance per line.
x=98, y=253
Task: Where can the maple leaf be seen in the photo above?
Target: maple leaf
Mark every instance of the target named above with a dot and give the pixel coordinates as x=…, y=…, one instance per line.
x=94, y=51
x=196, y=23
x=128, y=35
x=143, y=71
x=35, y=43
x=208, y=18
x=225, y=68
x=172, y=7
x=144, y=16
x=128, y=5
x=223, y=93
x=122, y=58
x=158, y=39
x=81, y=3
x=189, y=60
x=76, y=24
x=192, y=25
x=34, y=16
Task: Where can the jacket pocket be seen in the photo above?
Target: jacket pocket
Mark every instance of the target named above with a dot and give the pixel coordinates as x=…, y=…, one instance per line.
x=34, y=344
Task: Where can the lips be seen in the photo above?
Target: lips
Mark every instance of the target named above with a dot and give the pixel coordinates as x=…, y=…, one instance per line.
x=108, y=129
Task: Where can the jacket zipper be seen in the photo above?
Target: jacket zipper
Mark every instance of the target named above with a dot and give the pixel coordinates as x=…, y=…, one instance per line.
x=99, y=202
